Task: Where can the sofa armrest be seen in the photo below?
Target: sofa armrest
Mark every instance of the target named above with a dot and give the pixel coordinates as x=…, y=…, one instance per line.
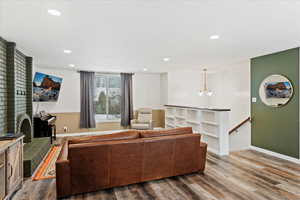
x=203, y=152
x=63, y=155
x=63, y=173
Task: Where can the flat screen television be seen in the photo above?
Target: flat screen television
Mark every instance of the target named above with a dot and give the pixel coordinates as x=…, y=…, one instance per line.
x=46, y=87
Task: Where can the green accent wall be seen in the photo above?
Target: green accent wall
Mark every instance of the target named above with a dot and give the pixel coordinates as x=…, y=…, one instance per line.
x=276, y=129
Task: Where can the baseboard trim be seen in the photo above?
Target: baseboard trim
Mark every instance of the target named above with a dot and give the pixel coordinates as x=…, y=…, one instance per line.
x=278, y=155
x=216, y=152
x=212, y=150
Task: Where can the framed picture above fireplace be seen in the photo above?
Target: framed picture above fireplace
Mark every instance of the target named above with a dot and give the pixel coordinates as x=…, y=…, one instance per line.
x=46, y=87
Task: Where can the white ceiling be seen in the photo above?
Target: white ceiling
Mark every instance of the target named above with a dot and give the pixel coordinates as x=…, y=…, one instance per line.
x=129, y=35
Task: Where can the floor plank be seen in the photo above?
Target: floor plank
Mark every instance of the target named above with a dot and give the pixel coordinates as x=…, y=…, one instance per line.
x=244, y=175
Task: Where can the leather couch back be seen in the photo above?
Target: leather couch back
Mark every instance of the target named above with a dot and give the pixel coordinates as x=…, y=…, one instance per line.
x=126, y=135
x=107, y=164
x=166, y=132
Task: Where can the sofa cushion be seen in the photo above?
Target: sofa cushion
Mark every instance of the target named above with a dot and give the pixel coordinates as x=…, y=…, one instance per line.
x=126, y=162
x=90, y=164
x=187, y=154
x=158, y=157
x=127, y=135
x=168, y=132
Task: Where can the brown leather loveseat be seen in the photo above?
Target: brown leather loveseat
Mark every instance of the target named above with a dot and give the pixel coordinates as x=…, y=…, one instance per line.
x=92, y=163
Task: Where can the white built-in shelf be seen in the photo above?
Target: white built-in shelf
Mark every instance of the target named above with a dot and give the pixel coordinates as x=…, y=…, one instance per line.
x=193, y=122
x=208, y=111
x=193, y=110
x=180, y=125
x=197, y=131
x=210, y=123
x=170, y=116
x=170, y=125
x=180, y=117
x=209, y=134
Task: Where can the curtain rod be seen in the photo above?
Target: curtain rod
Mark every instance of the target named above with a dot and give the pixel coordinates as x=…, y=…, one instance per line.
x=105, y=72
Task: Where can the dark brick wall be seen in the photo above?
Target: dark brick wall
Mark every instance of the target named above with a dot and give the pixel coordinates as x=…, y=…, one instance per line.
x=3, y=88
x=11, y=93
x=17, y=87
x=29, y=105
x=20, y=84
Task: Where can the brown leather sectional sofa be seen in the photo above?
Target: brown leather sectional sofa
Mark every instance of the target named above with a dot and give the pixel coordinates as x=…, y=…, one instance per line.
x=92, y=163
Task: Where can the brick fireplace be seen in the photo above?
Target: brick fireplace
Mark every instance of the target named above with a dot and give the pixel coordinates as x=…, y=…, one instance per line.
x=24, y=125
x=16, y=92
x=16, y=104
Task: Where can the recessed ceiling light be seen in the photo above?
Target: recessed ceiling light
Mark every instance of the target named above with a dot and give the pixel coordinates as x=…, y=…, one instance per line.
x=71, y=65
x=54, y=12
x=166, y=59
x=67, y=51
x=214, y=37
x=145, y=69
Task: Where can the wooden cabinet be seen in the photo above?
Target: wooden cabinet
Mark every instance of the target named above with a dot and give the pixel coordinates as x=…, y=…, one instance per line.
x=11, y=167
x=14, y=166
x=2, y=175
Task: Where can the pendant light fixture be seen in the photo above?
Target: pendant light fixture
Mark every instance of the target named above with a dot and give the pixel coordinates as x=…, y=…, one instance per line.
x=205, y=91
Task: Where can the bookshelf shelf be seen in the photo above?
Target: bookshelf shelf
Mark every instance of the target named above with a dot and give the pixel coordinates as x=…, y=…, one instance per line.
x=209, y=134
x=212, y=124
x=193, y=122
x=180, y=117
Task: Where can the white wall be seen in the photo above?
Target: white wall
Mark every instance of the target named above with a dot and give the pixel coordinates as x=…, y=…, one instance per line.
x=69, y=96
x=183, y=88
x=231, y=88
x=146, y=91
x=164, y=88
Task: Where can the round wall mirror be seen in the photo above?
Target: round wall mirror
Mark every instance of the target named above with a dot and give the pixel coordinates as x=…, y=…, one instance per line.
x=275, y=90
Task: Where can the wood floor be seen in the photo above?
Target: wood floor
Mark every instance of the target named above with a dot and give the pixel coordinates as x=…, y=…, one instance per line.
x=242, y=175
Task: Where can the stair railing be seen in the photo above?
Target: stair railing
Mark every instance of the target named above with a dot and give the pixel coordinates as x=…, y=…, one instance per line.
x=239, y=125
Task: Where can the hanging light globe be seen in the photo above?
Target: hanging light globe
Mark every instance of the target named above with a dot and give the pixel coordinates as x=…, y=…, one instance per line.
x=205, y=91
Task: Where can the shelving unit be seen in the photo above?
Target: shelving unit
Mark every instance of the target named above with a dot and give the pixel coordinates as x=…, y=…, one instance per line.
x=193, y=122
x=212, y=124
x=209, y=134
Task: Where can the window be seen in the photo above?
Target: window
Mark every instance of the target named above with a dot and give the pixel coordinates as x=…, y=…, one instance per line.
x=108, y=97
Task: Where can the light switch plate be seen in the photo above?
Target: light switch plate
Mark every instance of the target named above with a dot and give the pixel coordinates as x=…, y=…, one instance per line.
x=254, y=99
